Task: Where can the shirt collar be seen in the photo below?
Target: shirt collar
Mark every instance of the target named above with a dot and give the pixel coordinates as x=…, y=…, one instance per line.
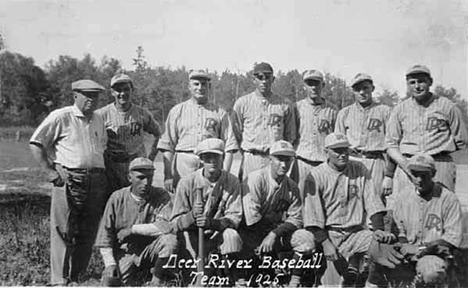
x=359, y=107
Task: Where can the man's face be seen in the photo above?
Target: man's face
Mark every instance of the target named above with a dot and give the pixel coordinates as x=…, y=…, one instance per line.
x=263, y=82
x=313, y=88
x=122, y=93
x=199, y=88
x=338, y=157
x=363, y=92
x=418, y=85
x=212, y=162
x=423, y=181
x=280, y=164
x=86, y=101
x=141, y=181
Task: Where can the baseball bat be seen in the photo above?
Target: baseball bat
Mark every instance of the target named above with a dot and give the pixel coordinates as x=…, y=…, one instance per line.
x=201, y=245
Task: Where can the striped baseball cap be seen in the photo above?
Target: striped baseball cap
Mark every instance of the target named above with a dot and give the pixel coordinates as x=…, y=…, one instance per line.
x=121, y=78
x=210, y=145
x=141, y=163
x=421, y=162
x=336, y=140
x=418, y=69
x=312, y=74
x=282, y=148
x=361, y=77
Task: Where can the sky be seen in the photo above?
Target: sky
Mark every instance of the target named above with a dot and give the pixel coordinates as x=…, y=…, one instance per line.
x=342, y=37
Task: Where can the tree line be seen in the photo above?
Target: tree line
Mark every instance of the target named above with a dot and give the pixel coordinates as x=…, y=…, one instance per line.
x=28, y=93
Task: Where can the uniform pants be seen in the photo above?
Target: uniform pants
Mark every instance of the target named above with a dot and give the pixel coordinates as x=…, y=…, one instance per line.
x=253, y=162
x=446, y=174
x=138, y=257
x=75, y=212
x=227, y=242
x=348, y=244
x=184, y=164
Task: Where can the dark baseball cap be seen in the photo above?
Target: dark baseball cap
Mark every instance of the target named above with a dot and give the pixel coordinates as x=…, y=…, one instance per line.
x=262, y=68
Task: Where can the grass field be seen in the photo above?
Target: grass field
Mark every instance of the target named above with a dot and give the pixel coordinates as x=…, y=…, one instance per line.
x=24, y=216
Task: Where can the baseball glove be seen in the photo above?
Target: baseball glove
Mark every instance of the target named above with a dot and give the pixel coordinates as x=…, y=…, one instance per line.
x=384, y=254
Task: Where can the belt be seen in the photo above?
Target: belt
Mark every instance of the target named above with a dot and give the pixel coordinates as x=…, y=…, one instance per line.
x=257, y=152
x=437, y=157
x=369, y=154
x=184, y=151
x=93, y=170
x=310, y=162
x=351, y=229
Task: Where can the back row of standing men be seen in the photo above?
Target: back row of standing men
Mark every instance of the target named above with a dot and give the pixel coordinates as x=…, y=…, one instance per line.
x=82, y=152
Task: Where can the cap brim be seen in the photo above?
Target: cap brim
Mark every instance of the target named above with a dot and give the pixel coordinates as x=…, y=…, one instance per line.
x=145, y=167
x=121, y=81
x=419, y=168
x=284, y=153
x=340, y=145
x=210, y=151
x=313, y=78
x=88, y=90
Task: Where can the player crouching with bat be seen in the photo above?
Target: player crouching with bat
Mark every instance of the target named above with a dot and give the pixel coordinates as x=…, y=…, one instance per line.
x=429, y=224
x=207, y=210
x=272, y=209
x=136, y=236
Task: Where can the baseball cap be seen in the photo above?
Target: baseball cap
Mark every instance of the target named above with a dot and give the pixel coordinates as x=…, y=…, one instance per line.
x=336, y=140
x=421, y=162
x=312, y=74
x=141, y=163
x=121, y=78
x=417, y=69
x=87, y=85
x=262, y=68
x=361, y=77
x=282, y=148
x=199, y=74
x=210, y=145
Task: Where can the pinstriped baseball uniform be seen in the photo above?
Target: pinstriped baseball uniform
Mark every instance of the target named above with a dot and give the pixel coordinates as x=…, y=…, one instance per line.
x=437, y=130
x=263, y=121
x=189, y=123
x=338, y=202
x=423, y=221
x=126, y=140
x=314, y=123
x=365, y=129
x=268, y=204
x=222, y=201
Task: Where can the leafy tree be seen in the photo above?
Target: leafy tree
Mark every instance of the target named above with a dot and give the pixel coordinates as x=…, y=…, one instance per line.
x=388, y=97
x=336, y=92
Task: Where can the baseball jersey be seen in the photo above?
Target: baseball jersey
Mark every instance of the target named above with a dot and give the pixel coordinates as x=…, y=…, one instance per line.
x=340, y=199
x=263, y=121
x=364, y=127
x=222, y=198
x=71, y=140
x=314, y=123
x=262, y=195
x=125, y=129
x=422, y=221
x=189, y=123
x=432, y=129
x=123, y=211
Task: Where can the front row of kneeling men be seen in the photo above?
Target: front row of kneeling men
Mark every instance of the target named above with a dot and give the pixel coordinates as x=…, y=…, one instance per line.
x=266, y=213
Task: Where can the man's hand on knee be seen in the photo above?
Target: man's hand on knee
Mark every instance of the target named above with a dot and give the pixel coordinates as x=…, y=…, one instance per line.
x=384, y=254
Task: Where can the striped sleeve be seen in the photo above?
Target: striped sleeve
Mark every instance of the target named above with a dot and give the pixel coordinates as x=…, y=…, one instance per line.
x=313, y=211
x=458, y=128
x=227, y=133
x=290, y=132
x=399, y=218
x=251, y=199
x=340, y=121
x=170, y=137
x=452, y=220
x=294, y=213
x=372, y=201
x=394, y=129
x=233, y=210
x=182, y=204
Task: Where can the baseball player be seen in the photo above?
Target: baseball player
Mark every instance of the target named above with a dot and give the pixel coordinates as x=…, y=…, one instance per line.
x=338, y=195
x=69, y=145
x=315, y=119
x=219, y=210
x=135, y=235
x=263, y=118
x=272, y=210
x=125, y=124
x=429, y=227
x=424, y=123
x=364, y=124
x=189, y=123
